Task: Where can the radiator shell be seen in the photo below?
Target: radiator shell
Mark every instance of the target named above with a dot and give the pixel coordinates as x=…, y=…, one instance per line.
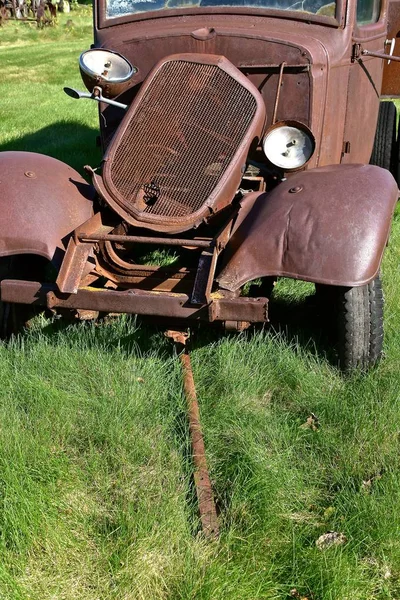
x=178, y=155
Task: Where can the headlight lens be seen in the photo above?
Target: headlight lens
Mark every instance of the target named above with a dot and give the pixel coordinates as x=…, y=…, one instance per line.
x=106, y=64
x=289, y=145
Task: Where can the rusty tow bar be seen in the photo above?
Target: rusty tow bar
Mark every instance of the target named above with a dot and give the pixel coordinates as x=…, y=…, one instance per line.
x=205, y=497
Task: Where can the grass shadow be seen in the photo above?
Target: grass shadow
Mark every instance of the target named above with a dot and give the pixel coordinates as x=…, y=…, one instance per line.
x=296, y=323
x=304, y=322
x=68, y=141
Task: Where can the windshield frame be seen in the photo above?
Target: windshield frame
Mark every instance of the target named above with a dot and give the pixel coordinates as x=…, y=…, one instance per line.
x=102, y=21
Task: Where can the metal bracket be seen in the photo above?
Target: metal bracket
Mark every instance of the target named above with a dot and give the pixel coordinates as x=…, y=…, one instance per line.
x=208, y=263
x=77, y=255
x=346, y=147
x=204, y=276
x=359, y=52
x=356, y=52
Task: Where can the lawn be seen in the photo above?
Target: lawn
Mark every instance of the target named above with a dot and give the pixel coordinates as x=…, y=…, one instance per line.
x=96, y=497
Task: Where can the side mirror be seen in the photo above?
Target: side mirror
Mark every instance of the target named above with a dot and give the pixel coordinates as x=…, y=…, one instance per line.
x=76, y=94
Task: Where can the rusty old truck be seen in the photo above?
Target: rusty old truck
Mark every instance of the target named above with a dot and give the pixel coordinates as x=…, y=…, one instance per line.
x=247, y=139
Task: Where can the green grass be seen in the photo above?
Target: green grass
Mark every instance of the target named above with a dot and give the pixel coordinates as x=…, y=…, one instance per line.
x=96, y=499
x=36, y=65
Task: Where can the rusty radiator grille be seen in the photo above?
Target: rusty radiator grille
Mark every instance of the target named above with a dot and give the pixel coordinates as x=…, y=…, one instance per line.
x=181, y=139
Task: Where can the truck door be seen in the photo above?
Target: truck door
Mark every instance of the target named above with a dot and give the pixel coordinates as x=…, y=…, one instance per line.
x=391, y=72
x=365, y=81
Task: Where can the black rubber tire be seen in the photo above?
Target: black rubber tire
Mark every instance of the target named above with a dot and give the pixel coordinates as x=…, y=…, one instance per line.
x=353, y=317
x=385, y=152
x=359, y=321
x=5, y=308
x=10, y=314
x=13, y=317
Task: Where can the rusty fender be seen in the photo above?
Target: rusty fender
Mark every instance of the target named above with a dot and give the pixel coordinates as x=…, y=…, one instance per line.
x=42, y=201
x=328, y=225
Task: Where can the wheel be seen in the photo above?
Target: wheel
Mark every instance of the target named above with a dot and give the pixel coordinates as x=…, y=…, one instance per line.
x=385, y=152
x=21, y=10
x=8, y=312
x=358, y=323
x=14, y=317
x=11, y=319
x=360, y=326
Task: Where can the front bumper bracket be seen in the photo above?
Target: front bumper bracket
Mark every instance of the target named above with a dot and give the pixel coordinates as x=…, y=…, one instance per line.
x=148, y=303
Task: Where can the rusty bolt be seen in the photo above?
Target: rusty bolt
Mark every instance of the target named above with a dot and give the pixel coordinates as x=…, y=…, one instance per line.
x=30, y=174
x=296, y=189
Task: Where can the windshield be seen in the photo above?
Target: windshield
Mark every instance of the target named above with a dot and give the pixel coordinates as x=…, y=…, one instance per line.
x=119, y=8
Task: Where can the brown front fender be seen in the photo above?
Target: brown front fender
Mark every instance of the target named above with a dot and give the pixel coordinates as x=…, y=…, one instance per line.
x=328, y=225
x=42, y=200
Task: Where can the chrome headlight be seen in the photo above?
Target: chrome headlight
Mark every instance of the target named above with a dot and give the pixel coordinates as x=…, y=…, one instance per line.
x=111, y=66
x=107, y=69
x=289, y=145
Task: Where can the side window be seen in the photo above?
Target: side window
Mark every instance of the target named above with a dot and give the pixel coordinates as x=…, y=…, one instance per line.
x=368, y=11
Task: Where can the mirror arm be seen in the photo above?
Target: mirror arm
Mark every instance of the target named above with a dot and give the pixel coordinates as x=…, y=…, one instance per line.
x=382, y=55
x=97, y=95
x=358, y=52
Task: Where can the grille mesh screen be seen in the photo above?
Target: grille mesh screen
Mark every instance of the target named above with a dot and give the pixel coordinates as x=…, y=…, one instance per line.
x=181, y=138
